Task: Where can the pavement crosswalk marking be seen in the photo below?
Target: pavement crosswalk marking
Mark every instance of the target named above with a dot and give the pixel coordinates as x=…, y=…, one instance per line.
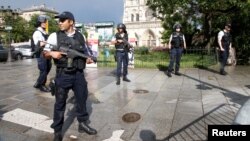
x=30, y=119
x=116, y=136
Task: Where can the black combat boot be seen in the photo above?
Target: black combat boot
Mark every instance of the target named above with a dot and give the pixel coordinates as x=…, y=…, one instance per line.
x=84, y=127
x=44, y=89
x=169, y=74
x=126, y=79
x=118, y=81
x=177, y=73
x=58, y=136
x=222, y=72
x=36, y=85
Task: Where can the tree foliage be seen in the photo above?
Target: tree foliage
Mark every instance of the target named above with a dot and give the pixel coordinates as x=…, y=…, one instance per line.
x=203, y=19
x=22, y=30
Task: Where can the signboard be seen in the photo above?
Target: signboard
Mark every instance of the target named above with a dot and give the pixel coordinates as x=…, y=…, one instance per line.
x=105, y=31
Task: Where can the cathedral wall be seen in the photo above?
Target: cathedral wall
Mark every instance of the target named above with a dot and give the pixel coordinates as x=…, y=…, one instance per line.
x=141, y=24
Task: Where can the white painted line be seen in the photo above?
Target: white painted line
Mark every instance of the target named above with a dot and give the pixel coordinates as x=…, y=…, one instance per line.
x=116, y=136
x=30, y=119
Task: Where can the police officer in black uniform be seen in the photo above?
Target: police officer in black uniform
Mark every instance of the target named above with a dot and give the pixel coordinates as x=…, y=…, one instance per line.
x=225, y=44
x=37, y=44
x=69, y=74
x=176, y=44
x=122, y=49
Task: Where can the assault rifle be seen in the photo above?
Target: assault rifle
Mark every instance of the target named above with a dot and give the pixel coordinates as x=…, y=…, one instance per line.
x=127, y=45
x=71, y=54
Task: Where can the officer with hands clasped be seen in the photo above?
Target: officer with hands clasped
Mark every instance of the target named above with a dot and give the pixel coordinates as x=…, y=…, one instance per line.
x=37, y=45
x=69, y=77
x=122, y=48
x=176, y=44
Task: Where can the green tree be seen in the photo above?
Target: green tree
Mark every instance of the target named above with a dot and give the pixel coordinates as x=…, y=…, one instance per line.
x=19, y=30
x=23, y=30
x=210, y=15
x=53, y=26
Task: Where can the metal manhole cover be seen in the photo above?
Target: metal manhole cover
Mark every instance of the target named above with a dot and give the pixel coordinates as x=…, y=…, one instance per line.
x=140, y=91
x=131, y=117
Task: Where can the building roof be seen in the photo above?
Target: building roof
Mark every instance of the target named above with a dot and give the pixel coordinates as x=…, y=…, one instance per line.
x=40, y=8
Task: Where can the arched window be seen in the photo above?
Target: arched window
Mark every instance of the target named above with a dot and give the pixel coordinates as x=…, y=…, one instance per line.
x=132, y=17
x=137, y=17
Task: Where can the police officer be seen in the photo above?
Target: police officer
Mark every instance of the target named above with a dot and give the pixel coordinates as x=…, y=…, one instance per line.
x=225, y=44
x=69, y=77
x=176, y=44
x=44, y=65
x=122, y=49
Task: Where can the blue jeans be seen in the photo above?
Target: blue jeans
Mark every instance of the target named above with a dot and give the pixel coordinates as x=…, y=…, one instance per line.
x=175, y=56
x=44, y=66
x=122, y=61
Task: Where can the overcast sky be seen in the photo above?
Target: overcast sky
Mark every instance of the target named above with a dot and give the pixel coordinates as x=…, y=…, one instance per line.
x=84, y=10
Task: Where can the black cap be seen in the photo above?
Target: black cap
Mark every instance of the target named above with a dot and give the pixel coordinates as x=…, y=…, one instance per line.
x=66, y=15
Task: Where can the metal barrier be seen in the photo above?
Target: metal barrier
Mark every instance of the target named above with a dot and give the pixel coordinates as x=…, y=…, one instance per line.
x=145, y=58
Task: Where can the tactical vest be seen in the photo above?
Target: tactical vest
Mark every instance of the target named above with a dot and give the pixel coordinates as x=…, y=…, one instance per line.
x=226, y=40
x=119, y=37
x=177, y=40
x=76, y=42
x=36, y=48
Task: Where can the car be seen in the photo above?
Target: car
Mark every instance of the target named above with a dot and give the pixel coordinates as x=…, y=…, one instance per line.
x=16, y=55
x=25, y=50
x=3, y=54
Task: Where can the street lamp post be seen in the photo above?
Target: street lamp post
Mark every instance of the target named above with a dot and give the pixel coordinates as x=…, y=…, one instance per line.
x=8, y=29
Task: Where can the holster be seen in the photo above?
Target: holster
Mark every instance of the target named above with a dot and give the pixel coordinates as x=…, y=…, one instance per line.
x=52, y=86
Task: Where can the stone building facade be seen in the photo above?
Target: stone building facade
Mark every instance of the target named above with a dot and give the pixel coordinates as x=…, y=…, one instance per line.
x=37, y=10
x=141, y=25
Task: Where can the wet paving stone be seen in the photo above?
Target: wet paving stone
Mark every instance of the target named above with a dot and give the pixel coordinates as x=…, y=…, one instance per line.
x=176, y=108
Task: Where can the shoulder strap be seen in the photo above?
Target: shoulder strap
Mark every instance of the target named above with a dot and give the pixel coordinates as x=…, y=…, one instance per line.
x=60, y=37
x=80, y=38
x=44, y=35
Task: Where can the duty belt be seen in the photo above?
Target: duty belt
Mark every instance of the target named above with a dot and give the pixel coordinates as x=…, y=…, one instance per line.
x=67, y=70
x=120, y=49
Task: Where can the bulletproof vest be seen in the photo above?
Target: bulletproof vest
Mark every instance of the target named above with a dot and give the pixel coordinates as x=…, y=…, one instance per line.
x=177, y=40
x=77, y=43
x=226, y=39
x=119, y=37
x=36, y=48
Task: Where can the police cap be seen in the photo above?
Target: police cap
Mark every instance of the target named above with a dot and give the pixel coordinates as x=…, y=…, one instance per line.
x=66, y=15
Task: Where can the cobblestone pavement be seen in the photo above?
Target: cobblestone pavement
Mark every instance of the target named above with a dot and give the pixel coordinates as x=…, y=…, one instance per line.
x=174, y=109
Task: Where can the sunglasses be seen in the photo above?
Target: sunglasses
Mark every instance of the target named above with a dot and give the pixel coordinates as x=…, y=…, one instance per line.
x=62, y=20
